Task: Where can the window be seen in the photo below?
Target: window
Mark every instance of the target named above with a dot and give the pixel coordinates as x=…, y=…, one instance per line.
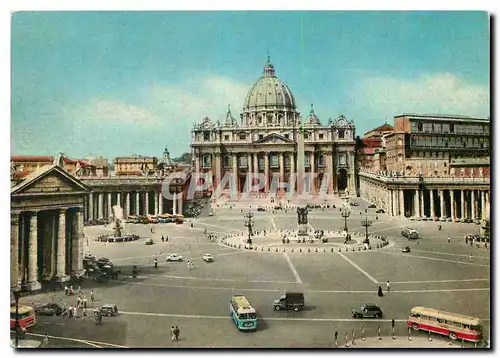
x=287, y=136
x=261, y=163
x=207, y=161
x=243, y=136
x=226, y=137
x=321, y=136
x=307, y=163
x=321, y=160
x=274, y=161
x=260, y=120
x=341, y=134
x=446, y=128
x=261, y=136
x=420, y=127
x=206, y=136
x=226, y=161
x=306, y=135
x=242, y=162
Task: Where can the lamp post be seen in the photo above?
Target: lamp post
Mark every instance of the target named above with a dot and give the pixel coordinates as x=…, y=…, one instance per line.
x=17, y=293
x=345, y=214
x=366, y=223
x=249, y=225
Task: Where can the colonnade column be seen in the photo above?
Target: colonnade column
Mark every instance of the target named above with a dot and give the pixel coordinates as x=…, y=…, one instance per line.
x=433, y=209
x=160, y=202
x=422, y=203
x=91, y=207
x=61, y=247
x=127, y=204
x=416, y=204
x=401, y=202
x=179, y=206
x=483, y=204
x=473, y=204
x=77, y=244
x=118, y=200
x=137, y=195
x=146, y=203
x=266, y=171
x=33, y=253
x=174, y=205
x=394, y=202
x=14, y=250
x=110, y=210
x=156, y=203
x=452, y=205
x=313, y=170
x=441, y=200
x=100, y=206
x=462, y=202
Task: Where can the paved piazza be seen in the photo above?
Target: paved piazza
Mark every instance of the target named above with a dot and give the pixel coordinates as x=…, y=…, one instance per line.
x=435, y=274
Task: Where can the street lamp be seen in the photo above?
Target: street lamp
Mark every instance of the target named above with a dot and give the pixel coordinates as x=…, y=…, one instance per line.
x=17, y=294
x=249, y=225
x=345, y=214
x=366, y=223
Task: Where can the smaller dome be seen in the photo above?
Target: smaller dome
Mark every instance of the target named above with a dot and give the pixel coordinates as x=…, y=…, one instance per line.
x=312, y=118
x=230, y=120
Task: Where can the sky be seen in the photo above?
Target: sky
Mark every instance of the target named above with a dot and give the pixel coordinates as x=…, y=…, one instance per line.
x=124, y=83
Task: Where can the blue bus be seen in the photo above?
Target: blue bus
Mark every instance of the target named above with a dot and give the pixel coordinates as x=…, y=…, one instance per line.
x=242, y=313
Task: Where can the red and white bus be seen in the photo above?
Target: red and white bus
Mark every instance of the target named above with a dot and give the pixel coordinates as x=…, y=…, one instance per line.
x=26, y=316
x=453, y=325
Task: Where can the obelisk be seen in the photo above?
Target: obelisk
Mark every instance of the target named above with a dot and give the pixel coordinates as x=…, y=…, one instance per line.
x=300, y=162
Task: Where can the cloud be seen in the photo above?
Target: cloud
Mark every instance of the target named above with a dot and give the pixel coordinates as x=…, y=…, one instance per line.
x=442, y=93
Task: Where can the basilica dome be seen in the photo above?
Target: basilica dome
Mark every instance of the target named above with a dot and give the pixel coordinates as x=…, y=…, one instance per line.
x=269, y=92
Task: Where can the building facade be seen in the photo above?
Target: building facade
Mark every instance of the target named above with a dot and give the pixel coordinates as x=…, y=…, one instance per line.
x=437, y=167
x=264, y=140
x=136, y=165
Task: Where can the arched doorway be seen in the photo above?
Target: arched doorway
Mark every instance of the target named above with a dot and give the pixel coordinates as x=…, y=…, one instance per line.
x=342, y=179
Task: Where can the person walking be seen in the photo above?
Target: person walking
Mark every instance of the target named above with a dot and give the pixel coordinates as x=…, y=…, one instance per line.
x=449, y=239
x=388, y=286
x=92, y=297
x=380, y=293
x=176, y=333
x=85, y=302
x=172, y=332
x=70, y=312
x=79, y=290
x=162, y=239
x=156, y=263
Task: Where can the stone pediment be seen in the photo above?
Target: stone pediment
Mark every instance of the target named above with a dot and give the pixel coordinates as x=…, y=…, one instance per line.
x=49, y=180
x=274, y=138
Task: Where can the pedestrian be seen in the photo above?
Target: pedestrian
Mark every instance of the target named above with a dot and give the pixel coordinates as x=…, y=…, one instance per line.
x=176, y=333
x=92, y=297
x=388, y=286
x=85, y=302
x=156, y=263
x=71, y=290
x=79, y=290
x=46, y=339
x=162, y=239
x=166, y=239
x=66, y=290
x=70, y=312
x=380, y=293
x=466, y=240
x=172, y=332
x=470, y=257
x=449, y=239
x=192, y=225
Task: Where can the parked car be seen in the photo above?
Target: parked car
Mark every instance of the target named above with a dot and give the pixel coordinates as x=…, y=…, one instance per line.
x=380, y=211
x=174, y=257
x=290, y=301
x=50, y=309
x=149, y=242
x=366, y=311
x=109, y=310
x=208, y=258
x=410, y=233
x=260, y=208
x=372, y=206
x=278, y=207
x=211, y=213
x=406, y=249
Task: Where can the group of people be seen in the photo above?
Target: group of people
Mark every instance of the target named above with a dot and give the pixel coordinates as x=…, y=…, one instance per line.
x=81, y=305
x=175, y=333
x=380, y=293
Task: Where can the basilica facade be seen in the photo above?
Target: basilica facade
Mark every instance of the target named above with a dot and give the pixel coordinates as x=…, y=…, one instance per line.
x=265, y=137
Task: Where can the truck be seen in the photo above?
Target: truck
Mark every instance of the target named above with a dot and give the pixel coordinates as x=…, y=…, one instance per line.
x=290, y=300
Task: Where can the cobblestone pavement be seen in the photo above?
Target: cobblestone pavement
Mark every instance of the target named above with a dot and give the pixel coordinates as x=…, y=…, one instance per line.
x=435, y=273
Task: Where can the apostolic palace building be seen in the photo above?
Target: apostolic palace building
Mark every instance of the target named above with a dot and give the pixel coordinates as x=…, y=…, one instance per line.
x=264, y=140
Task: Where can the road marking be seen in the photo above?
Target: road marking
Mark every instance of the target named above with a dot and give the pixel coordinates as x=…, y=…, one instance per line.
x=90, y=343
x=266, y=318
x=445, y=253
x=309, y=291
x=434, y=258
x=442, y=281
x=359, y=269
x=292, y=267
x=224, y=279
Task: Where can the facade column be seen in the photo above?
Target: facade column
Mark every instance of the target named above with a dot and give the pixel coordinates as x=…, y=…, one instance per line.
x=110, y=209
x=137, y=195
x=160, y=202
x=61, y=247
x=312, y=165
x=422, y=203
x=329, y=171
x=255, y=163
x=197, y=164
x=218, y=171
x=282, y=167
x=14, y=250
x=452, y=205
x=118, y=200
x=248, y=179
x=401, y=203
x=441, y=201
x=473, y=204
x=292, y=171
x=394, y=202
x=146, y=203
x=127, y=204
x=483, y=204
x=235, y=171
x=266, y=171
x=77, y=244
x=462, y=203
x=33, y=254
x=91, y=207
x=100, y=206
x=416, y=204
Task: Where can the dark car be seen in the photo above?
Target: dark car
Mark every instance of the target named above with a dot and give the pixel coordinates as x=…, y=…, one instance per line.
x=109, y=310
x=261, y=209
x=380, y=211
x=50, y=309
x=367, y=310
x=372, y=206
x=406, y=249
x=278, y=207
x=290, y=301
x=310, y=206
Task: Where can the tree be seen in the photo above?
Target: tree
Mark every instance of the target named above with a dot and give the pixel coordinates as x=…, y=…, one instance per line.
x=184, y=158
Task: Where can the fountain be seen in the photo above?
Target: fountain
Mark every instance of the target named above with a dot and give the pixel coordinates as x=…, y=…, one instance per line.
x=118, y=226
